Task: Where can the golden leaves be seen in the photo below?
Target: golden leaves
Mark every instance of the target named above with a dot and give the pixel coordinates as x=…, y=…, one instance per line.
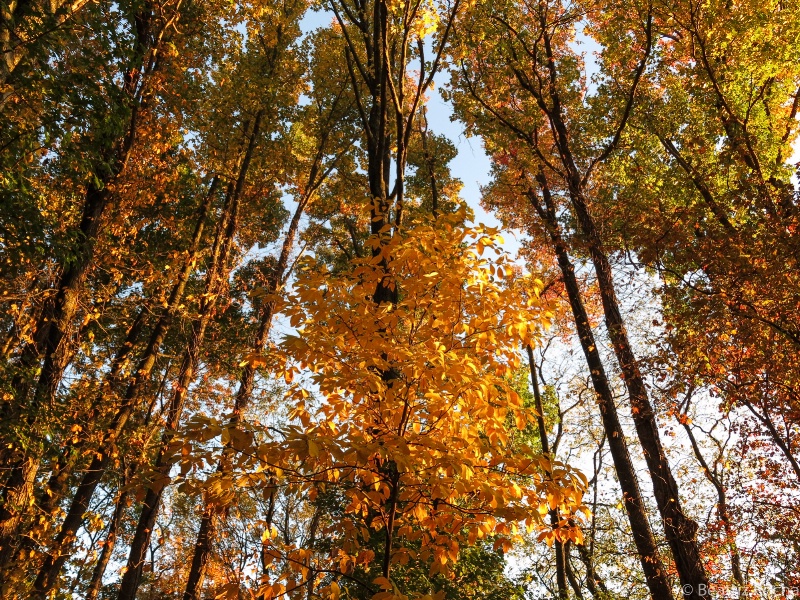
x=412, y=396
x=405, y=409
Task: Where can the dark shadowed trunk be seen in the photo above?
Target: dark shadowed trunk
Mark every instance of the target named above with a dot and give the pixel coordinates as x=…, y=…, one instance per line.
x=680, y=531
x=218, y=272
x=654, y=571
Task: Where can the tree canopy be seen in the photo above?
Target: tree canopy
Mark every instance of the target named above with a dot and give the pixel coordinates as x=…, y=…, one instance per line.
x=255, y=343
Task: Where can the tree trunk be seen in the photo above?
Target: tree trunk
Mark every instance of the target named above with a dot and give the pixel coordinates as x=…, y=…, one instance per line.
x=680, y=530
x=48, y=336
x=162, y=465
x=218, y=272
x=54, y=490
x=63, y=467
x=654, y=571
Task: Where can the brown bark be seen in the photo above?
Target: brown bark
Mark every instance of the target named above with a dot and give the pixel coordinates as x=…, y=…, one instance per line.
x=217, y=274
x=544, y=87
x=50, y=332
x=18, y=490
x=54, y=561
x=63, y=467
x=54, y=490
x=680, y=531
x=654, y=571
x=312, y=539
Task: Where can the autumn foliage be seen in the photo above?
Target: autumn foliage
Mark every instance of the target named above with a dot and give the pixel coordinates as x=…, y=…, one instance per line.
x=254, y=344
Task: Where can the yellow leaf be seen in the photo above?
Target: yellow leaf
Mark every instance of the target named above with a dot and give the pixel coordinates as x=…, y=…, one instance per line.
x=336, y=592
x=313, y=449
x=256, y=359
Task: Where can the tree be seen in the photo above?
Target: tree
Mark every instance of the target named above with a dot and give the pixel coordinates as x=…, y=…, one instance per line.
x=421, y=458
x=48, y=346
x=252, y=345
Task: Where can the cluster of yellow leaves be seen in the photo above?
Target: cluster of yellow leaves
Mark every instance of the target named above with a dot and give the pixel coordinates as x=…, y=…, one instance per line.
x=419, y=17
x=404, y=411
x=411, y=400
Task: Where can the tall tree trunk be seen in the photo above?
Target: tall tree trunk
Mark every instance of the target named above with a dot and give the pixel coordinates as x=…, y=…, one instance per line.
x=162, y=465
x=680, y=530
x=430, y=163
x=217, y=274
x=205, y=534
x=558, y=546
x=54, y=490
x=48, y=574
x=654, y=571
x=49, y=333
x=47, y=346
x=385, y=78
